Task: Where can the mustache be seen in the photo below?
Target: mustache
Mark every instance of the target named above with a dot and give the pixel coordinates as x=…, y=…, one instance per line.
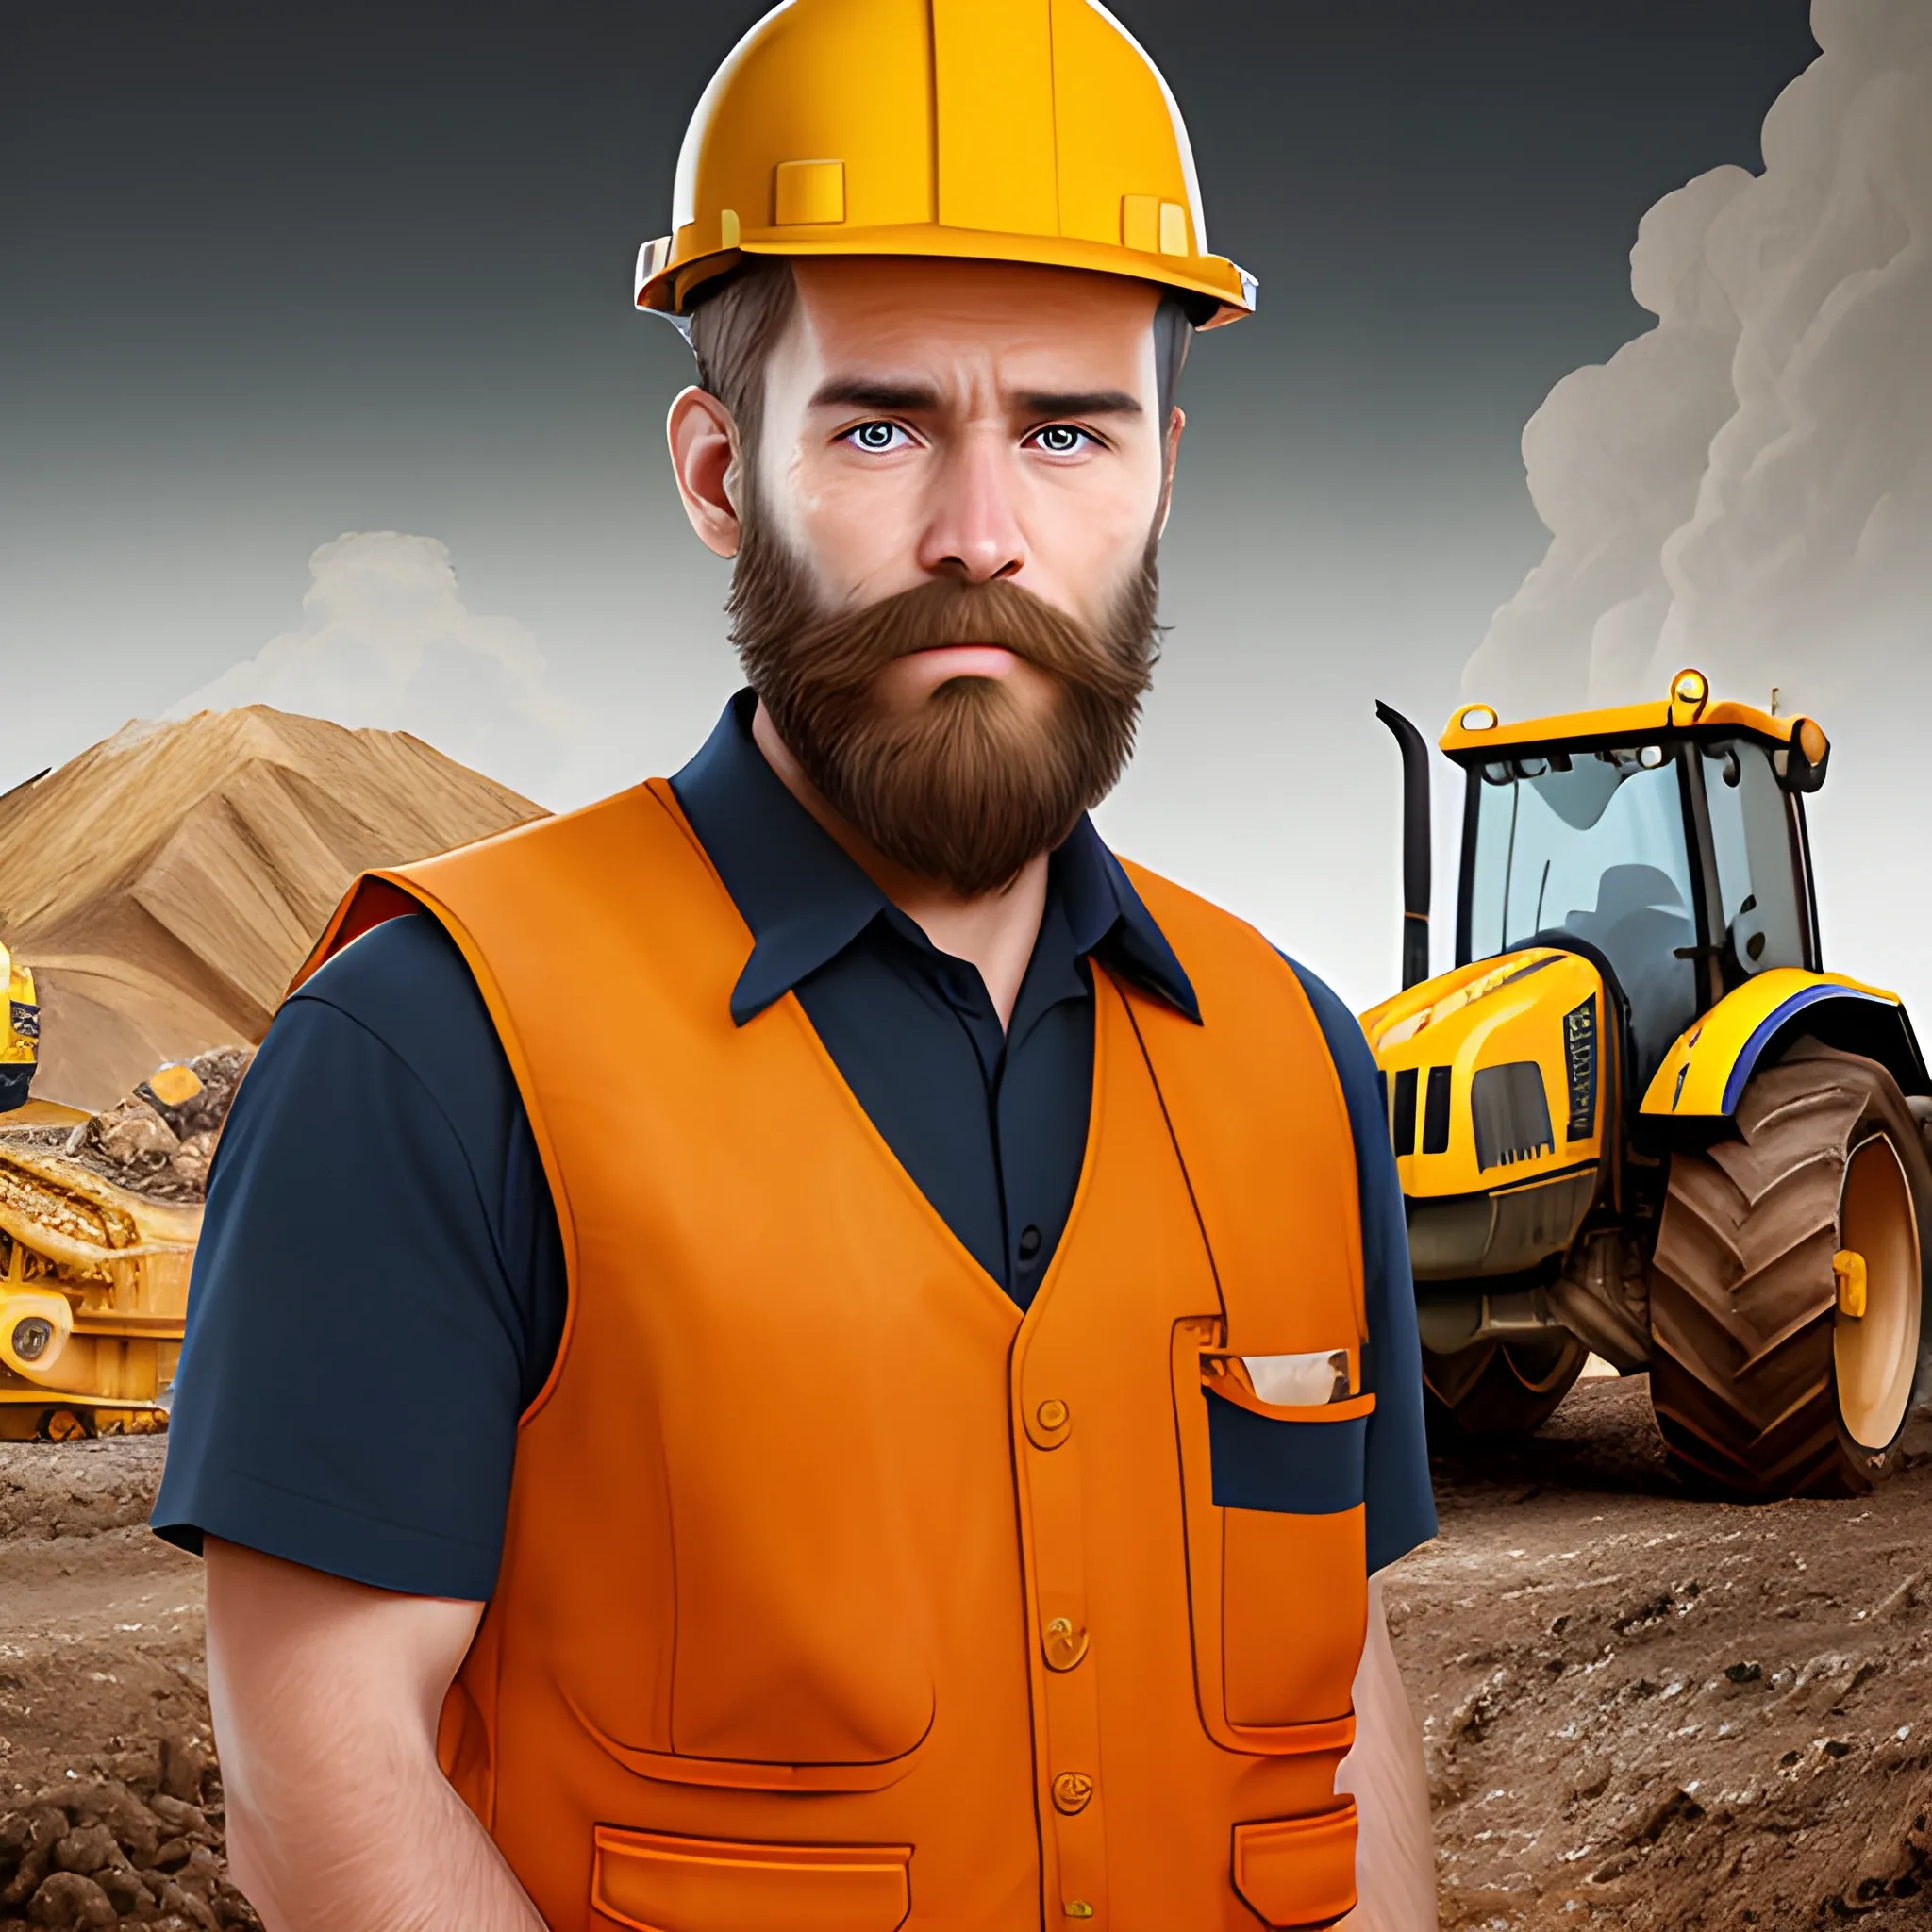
x=847, y=650
x=972, y=782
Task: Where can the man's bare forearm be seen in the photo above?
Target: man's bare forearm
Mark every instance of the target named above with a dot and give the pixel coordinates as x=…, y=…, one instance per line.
x=418, y=1861
x=326, y=1697
x=1395, y=1862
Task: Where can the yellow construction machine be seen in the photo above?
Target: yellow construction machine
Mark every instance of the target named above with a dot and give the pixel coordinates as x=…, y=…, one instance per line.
x=94, y=1275
x=20, y=1037
x=93, y=1297
x=1638, y=1117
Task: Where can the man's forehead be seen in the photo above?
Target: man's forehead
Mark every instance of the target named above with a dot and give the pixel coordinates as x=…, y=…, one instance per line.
x=917, y=319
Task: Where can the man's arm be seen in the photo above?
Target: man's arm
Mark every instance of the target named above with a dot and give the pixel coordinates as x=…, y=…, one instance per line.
x=326, y=1695
x=1395, y=1857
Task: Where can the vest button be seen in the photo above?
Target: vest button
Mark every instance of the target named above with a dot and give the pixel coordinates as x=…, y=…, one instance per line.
x=1062, y=1644
x=1052, y=1413
x=1078, y=1909
x=1070, y=1791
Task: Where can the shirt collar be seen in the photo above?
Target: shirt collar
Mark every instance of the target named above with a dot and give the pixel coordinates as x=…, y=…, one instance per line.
x=806, y=900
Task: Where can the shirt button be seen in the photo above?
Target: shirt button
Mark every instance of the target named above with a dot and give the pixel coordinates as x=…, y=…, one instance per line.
x=1072, y=1791
x=1029, y=1243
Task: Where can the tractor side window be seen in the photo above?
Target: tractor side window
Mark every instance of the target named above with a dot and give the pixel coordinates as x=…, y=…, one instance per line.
x=1749, y=826
x=1592, y=845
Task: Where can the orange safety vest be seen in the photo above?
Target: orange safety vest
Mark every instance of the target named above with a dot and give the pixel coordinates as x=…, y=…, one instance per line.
x=836, y=1594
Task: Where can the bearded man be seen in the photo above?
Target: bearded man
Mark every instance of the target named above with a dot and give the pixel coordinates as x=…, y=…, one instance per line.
x=876, y=1363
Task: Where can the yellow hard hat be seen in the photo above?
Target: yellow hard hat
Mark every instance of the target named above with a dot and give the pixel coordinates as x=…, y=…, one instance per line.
x=992, y=130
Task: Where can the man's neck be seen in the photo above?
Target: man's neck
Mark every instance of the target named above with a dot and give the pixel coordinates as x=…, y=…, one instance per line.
x=994, y=931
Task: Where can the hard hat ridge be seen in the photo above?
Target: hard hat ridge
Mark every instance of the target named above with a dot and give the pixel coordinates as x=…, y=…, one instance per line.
x=1005, y=130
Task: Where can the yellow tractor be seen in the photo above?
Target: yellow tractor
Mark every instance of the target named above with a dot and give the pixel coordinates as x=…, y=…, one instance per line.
x=1638, y=1117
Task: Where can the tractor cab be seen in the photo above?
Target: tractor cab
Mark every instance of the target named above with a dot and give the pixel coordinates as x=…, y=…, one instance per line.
x=1670, y=850
x=1639, y=984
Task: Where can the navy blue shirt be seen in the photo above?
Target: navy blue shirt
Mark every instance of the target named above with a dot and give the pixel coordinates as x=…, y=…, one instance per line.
x=379, y=1290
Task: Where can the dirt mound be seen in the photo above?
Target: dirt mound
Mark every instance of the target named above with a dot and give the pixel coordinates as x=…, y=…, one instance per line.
x=162, y=1144
x=104, y=1855
x=166, y=885
x=111, y=1808
x=1644, y=1710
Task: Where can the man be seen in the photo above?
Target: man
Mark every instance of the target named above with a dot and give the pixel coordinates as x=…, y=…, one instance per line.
x=867, y=1358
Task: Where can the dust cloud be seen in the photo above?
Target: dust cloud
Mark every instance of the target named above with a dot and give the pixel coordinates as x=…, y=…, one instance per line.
x=1747, y=487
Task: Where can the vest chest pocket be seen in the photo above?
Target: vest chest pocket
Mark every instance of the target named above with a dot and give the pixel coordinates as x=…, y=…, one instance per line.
x=1276, y=1554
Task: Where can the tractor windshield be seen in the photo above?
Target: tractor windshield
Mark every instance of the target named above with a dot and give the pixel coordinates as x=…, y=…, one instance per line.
x=1592, y=845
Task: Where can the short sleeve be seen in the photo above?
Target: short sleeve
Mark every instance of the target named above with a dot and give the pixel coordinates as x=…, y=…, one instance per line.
x=1401, y=1504
x=378, y=1290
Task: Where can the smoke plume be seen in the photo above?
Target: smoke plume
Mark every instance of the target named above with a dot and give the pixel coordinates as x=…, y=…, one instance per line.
x=1748, y=486
x=387, y=641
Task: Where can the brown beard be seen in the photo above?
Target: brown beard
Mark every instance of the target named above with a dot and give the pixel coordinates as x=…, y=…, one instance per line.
x=971, y=785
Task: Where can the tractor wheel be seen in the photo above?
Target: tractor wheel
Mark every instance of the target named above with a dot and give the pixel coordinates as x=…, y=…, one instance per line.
x=1765, y=1379
x=1500, y=1388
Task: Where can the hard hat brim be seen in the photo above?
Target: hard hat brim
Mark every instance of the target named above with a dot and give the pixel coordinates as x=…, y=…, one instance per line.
x=670, y=272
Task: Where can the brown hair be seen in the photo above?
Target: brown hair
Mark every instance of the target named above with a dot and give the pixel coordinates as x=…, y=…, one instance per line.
x=734, y=331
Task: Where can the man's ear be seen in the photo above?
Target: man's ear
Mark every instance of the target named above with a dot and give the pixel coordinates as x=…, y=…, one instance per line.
x=1176, y=422
x=703, y=459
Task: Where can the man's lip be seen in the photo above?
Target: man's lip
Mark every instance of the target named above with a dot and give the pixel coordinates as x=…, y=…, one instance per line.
x=968, y=660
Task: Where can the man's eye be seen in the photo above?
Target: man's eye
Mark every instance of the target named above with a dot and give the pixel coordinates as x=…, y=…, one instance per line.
x=878, y=439
x=1060, y=439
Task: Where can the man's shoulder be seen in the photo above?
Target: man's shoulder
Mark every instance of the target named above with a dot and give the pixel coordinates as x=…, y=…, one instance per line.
x=406, y=987
x=1188, y=919
x=1183, y=914
x=391, y=977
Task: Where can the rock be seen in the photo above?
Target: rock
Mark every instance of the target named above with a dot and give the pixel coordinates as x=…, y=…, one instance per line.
x=233, y=1910
x=190, y=1162
x=110, y=1803
x=202, y=1110
x=202, y=1874
x=131, y=1135
x=184, y=1764
x=1679, y=1804
x=67, y=1902
x=180, y=1816
x=124, y=1889
x=172, y=1852
x=87, y=1849
x=46, y=1828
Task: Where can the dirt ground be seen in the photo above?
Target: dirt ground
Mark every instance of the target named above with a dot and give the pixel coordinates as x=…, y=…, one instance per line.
x=1641, y=1711
x=1644, y=1710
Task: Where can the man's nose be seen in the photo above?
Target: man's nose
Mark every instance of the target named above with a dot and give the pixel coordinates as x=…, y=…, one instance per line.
x=973, y=531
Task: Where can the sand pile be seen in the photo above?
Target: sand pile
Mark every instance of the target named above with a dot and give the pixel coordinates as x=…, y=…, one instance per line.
x=166, y=885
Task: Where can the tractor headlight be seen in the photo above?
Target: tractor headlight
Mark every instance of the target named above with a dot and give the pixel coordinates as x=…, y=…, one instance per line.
x=32, y=1337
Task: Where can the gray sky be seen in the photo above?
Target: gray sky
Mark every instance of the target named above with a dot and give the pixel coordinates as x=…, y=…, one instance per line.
x=272, y=276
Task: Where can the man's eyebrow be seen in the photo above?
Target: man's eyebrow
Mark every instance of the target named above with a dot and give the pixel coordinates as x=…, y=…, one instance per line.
x=1095, y=402
x=889, y=398
x=910, y=398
